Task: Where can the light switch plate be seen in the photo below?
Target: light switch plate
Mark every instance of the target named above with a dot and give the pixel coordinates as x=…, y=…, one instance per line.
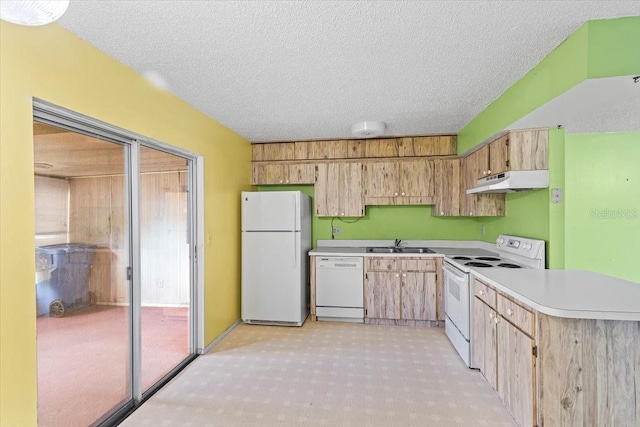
x=556, y=195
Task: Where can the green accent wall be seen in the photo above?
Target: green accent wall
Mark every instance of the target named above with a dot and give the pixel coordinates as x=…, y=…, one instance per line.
x=602, y=203
x=604, y=48
x=389, y=222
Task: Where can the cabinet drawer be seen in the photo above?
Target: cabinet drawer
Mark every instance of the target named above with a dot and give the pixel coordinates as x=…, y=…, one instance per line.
x=419, y=264
x=382, y=264
x=519, y=316
x=485, y=293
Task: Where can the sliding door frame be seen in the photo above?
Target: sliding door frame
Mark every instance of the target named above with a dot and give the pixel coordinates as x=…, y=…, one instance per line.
x=48, y=113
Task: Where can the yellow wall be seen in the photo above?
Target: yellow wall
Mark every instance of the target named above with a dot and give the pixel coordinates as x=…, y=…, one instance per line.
x=53, y=64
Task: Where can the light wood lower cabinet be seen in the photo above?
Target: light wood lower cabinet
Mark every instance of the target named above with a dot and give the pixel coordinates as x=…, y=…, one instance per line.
x=516, y=367
x=483, y=342
x=403, y=290
x=382, y=295
x=554, y=371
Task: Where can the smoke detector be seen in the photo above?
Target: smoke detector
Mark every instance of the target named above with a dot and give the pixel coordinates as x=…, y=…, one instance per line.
x=367, y=129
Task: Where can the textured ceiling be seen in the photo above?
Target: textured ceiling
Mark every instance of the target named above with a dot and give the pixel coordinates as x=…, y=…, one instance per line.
x=278, y=71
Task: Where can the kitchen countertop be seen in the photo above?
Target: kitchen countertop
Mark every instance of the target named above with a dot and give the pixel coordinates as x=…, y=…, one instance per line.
x=442, y=248
x=574, y=294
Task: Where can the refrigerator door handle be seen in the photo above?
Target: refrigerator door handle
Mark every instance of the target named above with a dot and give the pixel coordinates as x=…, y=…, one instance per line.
x=295, y=248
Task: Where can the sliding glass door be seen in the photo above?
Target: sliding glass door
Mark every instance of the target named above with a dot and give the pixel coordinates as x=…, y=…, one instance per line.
x=115, y=292
x=165, y=278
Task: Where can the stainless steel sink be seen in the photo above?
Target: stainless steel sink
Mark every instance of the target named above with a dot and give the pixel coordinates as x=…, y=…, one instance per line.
x=383, y=250
x=414, y=250
x=399, y=250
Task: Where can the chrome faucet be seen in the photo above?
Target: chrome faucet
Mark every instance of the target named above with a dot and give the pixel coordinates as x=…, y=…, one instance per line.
x=398, y=243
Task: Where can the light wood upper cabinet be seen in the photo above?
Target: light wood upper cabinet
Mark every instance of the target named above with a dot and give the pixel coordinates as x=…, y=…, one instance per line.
x=415, y=146
x=399, y=182
x=474, y=166
x=338, y=189
x=447, y=187
x=273, y=151
x=282, y=173
x=519, y=150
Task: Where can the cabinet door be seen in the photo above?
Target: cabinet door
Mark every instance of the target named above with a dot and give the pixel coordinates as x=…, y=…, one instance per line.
x=418, y=296
x=381, y=182
x=350, y=190
x=484, y=341
x=528, y=149
x=269, y=174
x=327, y=189
x=516, y=373
x=301, y=173
x=382, y=295
x=447, y=187
x=415, y=183
x=499, y=155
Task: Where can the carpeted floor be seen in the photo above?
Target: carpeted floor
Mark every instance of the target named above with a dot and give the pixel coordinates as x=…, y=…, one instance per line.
x=83, y=359
x=327, y=374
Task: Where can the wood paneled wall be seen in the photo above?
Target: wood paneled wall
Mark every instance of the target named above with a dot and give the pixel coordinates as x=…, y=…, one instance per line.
x=51, y=210
x=97, y=216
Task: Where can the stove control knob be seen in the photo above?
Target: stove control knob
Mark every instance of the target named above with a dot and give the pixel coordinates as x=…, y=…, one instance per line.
x=516, y=243
x=500, y=241
x=526, y=246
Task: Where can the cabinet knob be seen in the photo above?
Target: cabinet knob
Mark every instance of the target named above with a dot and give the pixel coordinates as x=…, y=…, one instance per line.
x=510, y=312
x=496, y=319
x=442, y=213
x=404, y=274
x=280, y=181
x=397, y=275
x=484, y=172
x=335, y=214
x=471, y=213
x=491, y=315
x=481, y=292
x=395, y=194
x=403, y=194
x=342, y=214
x=489, y=172
x=287, y=181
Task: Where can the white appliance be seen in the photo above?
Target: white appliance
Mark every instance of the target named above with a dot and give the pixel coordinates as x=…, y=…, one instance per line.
x=512, y=181
x=511, y=252
x=276, y=236
x=340, y=289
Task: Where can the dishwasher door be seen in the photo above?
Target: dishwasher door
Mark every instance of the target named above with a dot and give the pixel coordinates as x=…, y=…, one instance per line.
x=340, y=288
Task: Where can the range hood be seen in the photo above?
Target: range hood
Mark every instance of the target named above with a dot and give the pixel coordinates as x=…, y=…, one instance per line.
x=511, y=181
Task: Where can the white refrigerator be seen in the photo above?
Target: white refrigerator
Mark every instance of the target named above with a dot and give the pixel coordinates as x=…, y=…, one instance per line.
x=276, y=237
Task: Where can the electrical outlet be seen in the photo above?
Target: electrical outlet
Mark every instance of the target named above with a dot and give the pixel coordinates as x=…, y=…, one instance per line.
x=161, y=283
x=482, y=230
x=336, y=230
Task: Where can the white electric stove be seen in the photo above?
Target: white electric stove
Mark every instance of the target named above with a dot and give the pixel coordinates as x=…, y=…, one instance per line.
x=511, y=252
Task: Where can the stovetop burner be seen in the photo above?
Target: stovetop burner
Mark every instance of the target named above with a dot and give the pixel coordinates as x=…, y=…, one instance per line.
x=463, y=258
x=487, y=258
x=477, y=264
x=509, y=265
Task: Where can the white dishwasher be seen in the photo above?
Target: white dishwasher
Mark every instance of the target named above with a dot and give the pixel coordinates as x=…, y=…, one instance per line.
x=340, y=289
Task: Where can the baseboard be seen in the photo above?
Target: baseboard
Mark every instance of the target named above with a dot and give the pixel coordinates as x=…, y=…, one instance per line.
x=215, y=342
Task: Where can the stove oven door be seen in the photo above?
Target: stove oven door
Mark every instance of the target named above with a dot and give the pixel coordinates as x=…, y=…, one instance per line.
x=456, y=298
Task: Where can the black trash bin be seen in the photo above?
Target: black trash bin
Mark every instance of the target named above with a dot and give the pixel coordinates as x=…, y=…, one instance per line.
x=64, y=277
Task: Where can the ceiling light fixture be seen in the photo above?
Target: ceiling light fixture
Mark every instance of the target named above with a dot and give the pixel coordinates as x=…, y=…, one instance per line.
x=367, y=129
x=32, y=13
